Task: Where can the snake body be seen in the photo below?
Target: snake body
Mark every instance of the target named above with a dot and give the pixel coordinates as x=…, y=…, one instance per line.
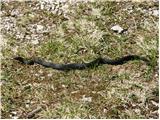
x=80, y=66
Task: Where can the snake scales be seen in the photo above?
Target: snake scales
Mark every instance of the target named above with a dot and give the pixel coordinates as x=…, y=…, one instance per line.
x=81, y=66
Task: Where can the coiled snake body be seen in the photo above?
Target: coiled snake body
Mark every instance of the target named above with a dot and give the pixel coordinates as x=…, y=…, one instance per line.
x=81, y=66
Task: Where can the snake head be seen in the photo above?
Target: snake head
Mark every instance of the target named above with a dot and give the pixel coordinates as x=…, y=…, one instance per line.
x=23, y=61
x=19, y=59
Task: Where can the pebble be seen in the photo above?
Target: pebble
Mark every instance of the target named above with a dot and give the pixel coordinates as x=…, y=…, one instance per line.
x=14, y=112
x=117, y=29
x=15, y=12
x=15, y=117
x=35, y=42
x=63, y=86
x=50, y=74
x=86, y=99
x=39, y=28
x=156, y=13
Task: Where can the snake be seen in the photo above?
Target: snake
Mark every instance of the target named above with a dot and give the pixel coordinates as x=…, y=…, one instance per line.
x=81, y=66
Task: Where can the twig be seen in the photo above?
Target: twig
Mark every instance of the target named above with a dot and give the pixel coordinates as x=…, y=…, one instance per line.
x=32, y=113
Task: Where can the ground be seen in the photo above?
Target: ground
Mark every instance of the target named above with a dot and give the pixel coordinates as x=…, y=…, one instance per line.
x=79, y=31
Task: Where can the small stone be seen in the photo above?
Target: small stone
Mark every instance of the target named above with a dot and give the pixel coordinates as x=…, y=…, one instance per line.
x=42, y=6
x=62, y=1
x=154, y=103
x=40, y=71
x=39, y=28
x=36, y=74
x=137, y=111
x=35, y=42
x=27, y=101
x=104, y=110
x=14, y=12
x=42, y=77
x=15, y=117
x=117, y=29
x=86, y=99
x=73, y=92
x=27, y=105
x=49, y=75
x=156, y=13
x=27, y=37
x=15, y=49
x=31, y=15
x=156, y=75
x=14, y=112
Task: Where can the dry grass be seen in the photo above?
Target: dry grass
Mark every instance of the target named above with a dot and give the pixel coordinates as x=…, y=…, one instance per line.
x=80, y=32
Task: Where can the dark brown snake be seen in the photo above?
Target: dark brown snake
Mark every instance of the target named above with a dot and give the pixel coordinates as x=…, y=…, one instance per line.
x=80, y=66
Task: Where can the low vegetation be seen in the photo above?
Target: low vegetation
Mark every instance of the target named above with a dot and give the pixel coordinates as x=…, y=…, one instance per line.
x=79, y=32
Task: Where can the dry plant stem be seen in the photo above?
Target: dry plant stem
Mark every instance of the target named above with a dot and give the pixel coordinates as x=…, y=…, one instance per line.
x=32, y=113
